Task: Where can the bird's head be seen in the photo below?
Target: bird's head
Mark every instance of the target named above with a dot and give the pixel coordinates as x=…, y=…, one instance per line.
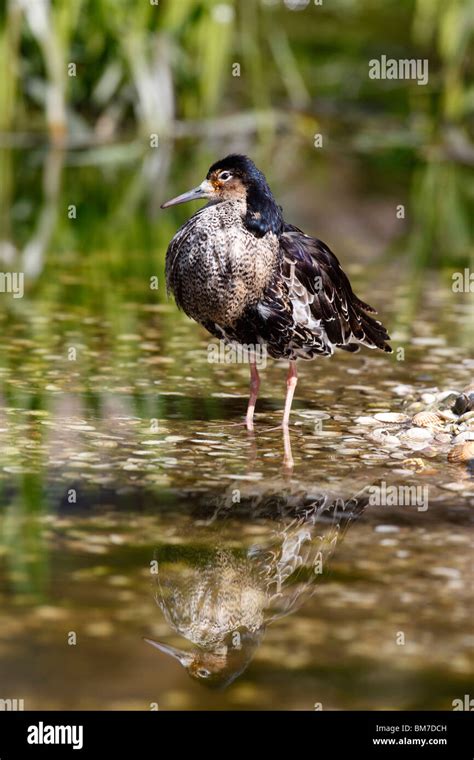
x=215, y=667
x=237, y=178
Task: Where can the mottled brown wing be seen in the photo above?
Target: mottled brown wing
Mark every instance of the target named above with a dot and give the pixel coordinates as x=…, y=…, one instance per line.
x=322, y=296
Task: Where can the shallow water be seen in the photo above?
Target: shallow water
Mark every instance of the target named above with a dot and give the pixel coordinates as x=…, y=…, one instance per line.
x=135, y=504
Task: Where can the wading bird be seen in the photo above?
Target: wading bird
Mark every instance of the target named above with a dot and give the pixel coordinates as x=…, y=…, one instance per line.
x=249, y=278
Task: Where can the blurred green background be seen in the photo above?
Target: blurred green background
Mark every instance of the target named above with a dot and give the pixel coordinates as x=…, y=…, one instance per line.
x=106, y=80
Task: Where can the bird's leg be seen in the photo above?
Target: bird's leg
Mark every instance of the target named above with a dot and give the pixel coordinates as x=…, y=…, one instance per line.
x=254, y=388
x=288, y=462
x=291, y=382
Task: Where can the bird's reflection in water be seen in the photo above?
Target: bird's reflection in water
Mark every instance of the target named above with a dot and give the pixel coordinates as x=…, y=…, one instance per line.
x=222, y=604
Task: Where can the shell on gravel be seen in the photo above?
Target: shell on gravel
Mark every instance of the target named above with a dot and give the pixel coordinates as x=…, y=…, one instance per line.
x=462, y=452
x=428, y=419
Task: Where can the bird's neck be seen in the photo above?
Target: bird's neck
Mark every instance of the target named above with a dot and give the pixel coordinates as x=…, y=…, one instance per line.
x=263, y=213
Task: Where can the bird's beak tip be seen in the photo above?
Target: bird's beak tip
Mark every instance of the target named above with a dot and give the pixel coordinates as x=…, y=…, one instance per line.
x=203, y=191
x=185, y=658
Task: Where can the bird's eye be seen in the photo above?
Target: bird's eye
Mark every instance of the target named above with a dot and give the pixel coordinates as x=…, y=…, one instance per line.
x=203, y=673
x=224, y=176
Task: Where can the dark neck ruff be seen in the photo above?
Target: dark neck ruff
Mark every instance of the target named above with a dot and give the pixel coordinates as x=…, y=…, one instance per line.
x=263, y=214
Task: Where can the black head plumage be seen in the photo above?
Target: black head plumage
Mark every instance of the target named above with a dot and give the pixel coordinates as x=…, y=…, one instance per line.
x=263, y=213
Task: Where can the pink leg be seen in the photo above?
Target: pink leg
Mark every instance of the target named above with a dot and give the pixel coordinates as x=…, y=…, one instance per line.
x=291, y=381
x=254, y=388
x=288, y=462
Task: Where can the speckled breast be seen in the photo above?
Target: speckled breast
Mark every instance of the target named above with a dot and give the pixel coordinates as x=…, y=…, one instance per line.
x=216, y=268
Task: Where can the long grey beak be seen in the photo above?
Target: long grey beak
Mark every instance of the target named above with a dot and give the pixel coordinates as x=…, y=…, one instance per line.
x=185, y=658
x=205, y=190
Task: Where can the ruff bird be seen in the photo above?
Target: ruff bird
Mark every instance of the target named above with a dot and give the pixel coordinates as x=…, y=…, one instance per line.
x=251, y=279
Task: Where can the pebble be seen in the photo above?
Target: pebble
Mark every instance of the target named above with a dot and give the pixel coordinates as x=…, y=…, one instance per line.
x=314, y=414
x=428, y=340
x=415, y=445
x=454, y=486
x=386, y=529
x=47, y=612
x=114, y=538
x=118, y=580
x=403, y=390
x=99, y=629
x=448, y=415
x=381, y=436
x=467, y=435
x=442, y=437
x=417, y=434
x=445, y=395
x=445, y=572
